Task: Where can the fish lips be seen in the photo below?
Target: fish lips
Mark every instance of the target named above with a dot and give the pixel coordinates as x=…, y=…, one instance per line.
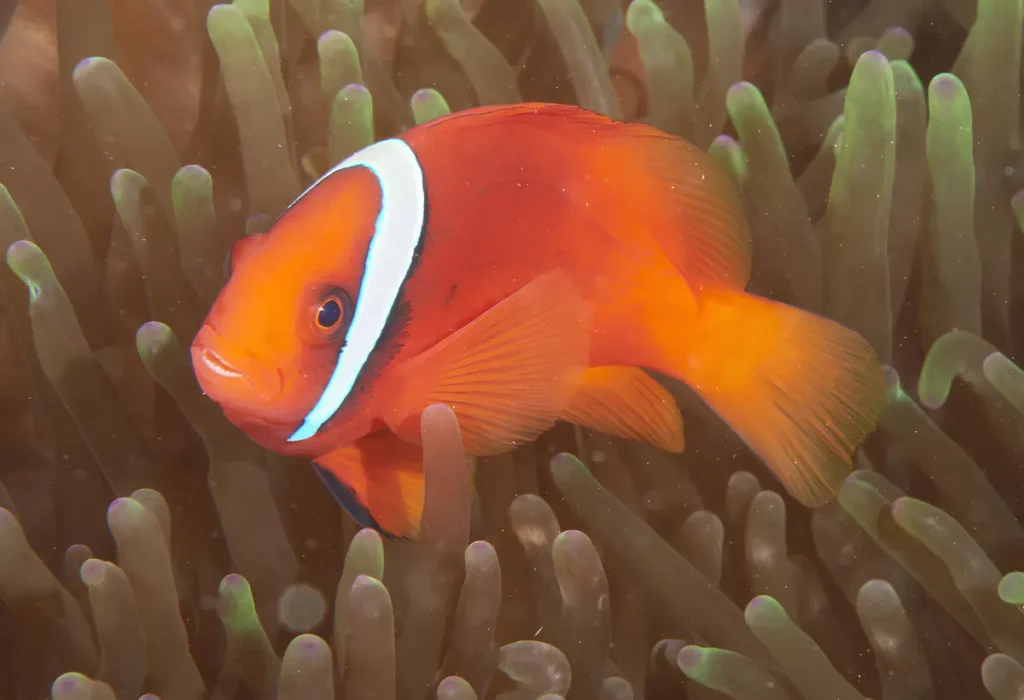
x=232, y=376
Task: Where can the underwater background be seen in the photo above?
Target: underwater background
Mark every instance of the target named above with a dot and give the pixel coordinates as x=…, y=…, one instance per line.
x=147, y=548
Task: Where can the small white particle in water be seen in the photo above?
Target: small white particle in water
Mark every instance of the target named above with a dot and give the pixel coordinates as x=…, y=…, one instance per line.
x=598, y=457
x=654, y=500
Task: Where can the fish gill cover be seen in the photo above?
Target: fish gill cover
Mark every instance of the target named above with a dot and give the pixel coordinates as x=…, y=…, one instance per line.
x=147, y=547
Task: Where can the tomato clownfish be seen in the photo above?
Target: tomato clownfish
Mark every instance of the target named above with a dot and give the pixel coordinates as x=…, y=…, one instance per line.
x=522, y=264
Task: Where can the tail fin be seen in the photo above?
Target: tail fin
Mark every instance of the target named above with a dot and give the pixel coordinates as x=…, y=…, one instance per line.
x=801, y=390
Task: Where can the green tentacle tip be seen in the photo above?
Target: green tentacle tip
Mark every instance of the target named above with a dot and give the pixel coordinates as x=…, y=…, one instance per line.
x=729, y=673
x=1011, y=588
x=871, y=92
x=428, y=104
x=1006, y=377
x=353, y=106
x=235, y=606
x=355, y=92
x=190, y=179
x=339, y=62
x=29, y=263
x=333, y=42
x=365, y=585
x=95, y=67
x=933, y=388
x=307, y=646
x=872, y=62
x=893, y=388
x=76, y=686
x=920, y=520
x=744, y=98
x=229, y=30
x=642, y=15
x=950, y=107
x=124, y=182
x=896, y=44
x=445, y=15
x=93, y=572
x=764, y=608
x=856, y=495
x=225, y=20
x=945, y=359
x=258, y=223
x=729, y=155
x=567, y=460
x=351, y=123
x=152, y=338
x=129, y=519
x=365, y=554
x=1017, y=202
x=692, y=660
x=567, y=469
x=8, y=522
x=125, y=511
x=946, y=86
x=455, y=688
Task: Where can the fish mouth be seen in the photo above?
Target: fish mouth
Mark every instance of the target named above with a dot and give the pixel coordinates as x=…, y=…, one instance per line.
x=218, y=365
x=233, y=378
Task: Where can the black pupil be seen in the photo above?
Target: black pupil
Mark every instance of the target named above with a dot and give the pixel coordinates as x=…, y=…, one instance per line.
x=329, y=314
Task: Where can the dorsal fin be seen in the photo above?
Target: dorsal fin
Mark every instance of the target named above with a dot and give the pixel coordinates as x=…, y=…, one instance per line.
x=636, y=176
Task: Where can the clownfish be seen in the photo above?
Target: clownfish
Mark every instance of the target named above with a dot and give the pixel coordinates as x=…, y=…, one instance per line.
x=522, y=264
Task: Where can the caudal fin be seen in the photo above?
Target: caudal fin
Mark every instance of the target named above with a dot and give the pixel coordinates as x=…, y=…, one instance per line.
x=801, y=390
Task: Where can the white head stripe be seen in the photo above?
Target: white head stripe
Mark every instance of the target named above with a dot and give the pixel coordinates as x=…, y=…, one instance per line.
x=392, y=247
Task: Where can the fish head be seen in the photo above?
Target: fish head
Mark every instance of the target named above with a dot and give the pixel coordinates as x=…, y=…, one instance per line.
x=273, y=337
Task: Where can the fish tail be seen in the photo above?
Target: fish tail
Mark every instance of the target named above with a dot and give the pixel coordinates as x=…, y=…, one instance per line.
x=801, y=390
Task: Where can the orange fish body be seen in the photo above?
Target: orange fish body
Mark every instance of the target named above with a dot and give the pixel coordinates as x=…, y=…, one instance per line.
x=523, y=264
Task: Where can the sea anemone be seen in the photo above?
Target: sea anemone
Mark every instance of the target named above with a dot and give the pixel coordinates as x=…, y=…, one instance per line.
x=876, y=145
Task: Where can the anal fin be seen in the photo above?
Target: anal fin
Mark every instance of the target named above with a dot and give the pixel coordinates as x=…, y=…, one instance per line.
x=508, y=373
x=628, y=403
x=378, y=479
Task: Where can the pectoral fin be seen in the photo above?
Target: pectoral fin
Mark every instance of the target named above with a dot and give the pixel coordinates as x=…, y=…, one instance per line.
x=509, y=373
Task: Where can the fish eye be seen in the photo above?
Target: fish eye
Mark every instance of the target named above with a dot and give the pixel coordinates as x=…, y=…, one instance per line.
x=331, y=313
